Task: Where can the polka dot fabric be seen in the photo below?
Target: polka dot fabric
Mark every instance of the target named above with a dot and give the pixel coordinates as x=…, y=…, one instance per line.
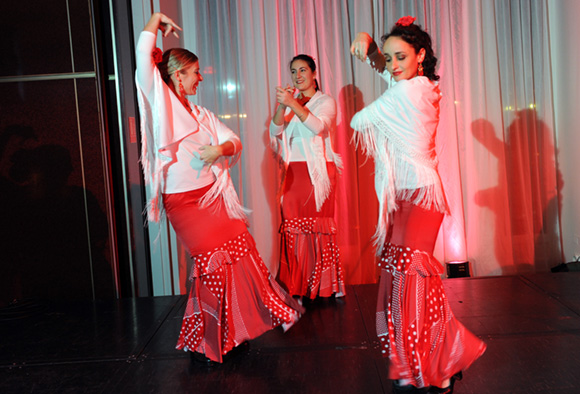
x=310, y=259
x=408, y=261
x=415, y=325
x=233, y=298
x=230, y=252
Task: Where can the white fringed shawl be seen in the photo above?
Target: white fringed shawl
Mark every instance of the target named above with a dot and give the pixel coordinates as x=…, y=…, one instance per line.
x=398, y=131
x=164, y=123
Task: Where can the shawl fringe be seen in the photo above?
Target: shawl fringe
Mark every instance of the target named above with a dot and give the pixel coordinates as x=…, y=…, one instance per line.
x=154, y=162
x=315, y=159
x=224, y=188
x=395, y=161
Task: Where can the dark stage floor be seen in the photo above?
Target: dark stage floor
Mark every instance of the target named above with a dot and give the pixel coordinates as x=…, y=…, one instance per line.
x=531, y=324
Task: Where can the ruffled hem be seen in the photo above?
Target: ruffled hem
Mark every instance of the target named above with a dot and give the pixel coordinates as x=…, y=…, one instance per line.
x=229, y=253
x=233, y=298
x=409, y=262
x=416, y=327
x=310, y=258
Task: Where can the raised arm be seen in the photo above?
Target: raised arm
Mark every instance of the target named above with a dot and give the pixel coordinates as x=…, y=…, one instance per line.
x=364, y=47
x=278, y=118
x=323, y=117
x=316, y=122
x=283, y=97
x=145, y=46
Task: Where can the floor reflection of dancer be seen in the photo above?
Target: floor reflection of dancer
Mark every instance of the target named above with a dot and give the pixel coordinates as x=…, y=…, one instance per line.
x=187, y=153
x=427, y=347
x=302, y=131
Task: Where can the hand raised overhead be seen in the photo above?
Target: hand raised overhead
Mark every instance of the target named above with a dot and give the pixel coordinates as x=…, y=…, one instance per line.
x=160, y=21
x=360, y=46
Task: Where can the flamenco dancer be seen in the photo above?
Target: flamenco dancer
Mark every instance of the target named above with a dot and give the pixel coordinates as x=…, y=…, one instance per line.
x=427, y=347
x=301, y=132
x=186, y=156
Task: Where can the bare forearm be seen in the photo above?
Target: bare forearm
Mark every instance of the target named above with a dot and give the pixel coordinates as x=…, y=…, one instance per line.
x=300, y=111
x=278, y=118
x=285, y=99
x=153, y=24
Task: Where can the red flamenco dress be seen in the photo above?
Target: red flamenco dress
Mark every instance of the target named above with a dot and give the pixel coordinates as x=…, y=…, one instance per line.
x=310, y=258
x=233, y=297
x=418, y=332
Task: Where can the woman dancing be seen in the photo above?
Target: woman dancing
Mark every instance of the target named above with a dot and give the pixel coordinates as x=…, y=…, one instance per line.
x=186, y=155
x=301, y=131
x=427, y=347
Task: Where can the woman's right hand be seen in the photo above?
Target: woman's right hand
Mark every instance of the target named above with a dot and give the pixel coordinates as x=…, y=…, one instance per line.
x=360, y=46
x=282, y=95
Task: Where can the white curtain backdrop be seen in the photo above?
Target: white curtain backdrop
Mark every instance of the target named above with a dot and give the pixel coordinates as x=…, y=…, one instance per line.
x=496, y=141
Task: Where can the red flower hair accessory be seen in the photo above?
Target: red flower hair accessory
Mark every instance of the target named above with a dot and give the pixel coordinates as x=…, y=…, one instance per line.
x=406, y=21
x=157, y=55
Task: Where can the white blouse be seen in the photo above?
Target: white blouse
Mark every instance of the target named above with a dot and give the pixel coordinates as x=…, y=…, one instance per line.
x=310, y=141
x=171, y=138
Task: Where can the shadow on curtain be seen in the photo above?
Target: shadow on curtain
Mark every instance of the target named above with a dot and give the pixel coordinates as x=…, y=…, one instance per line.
x=496, y=138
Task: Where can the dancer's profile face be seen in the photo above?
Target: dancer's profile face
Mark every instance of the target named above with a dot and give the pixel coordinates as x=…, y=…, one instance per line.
x=402, y=60
x=302, y=76
x=190, y=78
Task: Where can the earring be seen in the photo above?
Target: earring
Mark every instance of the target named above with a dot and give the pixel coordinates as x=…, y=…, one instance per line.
x=182, y=96
x=420, y=69
x=180, y=86
x=181, y=89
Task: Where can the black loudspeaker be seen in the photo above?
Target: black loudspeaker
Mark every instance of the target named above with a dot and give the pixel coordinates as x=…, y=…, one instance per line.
x=458, y=269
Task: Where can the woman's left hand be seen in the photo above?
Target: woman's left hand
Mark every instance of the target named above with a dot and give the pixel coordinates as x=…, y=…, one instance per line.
x=210, y=153
x=164, y=23
x=360, y=46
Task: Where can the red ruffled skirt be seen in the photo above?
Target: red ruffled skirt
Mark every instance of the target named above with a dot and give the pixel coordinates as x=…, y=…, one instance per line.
x=416, y=327
x=233, y=297
x=309, y=254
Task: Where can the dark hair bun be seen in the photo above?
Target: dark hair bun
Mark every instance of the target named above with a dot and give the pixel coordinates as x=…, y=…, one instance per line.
x=418, y=38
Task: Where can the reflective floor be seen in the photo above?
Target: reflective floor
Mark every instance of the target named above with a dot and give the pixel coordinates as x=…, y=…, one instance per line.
x=531, y=324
